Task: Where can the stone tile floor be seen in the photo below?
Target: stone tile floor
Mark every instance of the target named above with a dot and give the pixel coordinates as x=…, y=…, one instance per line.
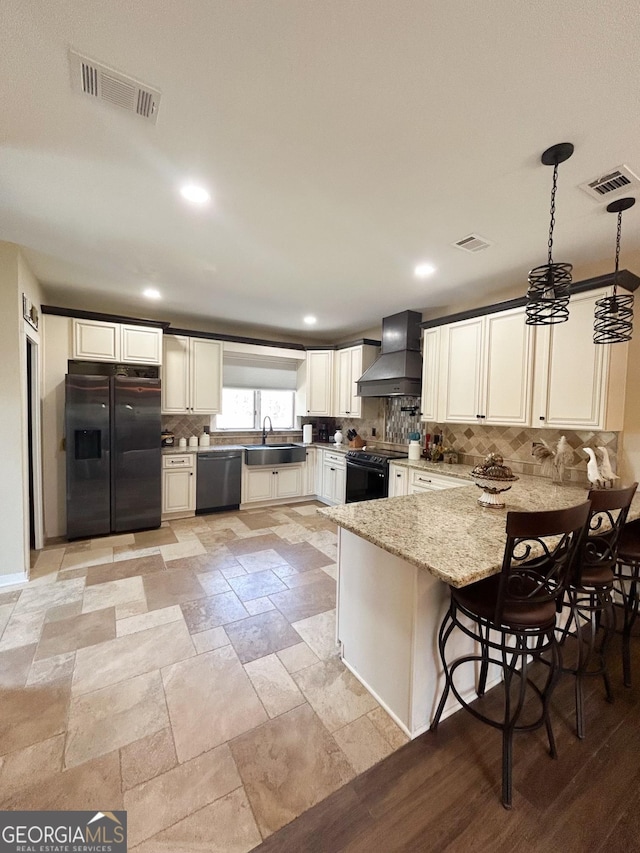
x=189, y=675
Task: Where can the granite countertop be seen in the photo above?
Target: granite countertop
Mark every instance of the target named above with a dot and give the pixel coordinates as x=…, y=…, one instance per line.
x=447, y=532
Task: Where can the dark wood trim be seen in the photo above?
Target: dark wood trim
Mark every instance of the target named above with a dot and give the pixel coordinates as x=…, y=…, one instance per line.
x=366, y=342
x=236, y=339
x=628, y=280
x=105, y=318
x=360, y=342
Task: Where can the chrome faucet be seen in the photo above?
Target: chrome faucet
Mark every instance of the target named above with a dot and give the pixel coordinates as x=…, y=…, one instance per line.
x=264, y=428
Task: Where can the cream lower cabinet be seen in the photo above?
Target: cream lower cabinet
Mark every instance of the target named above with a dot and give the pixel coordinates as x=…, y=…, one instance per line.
x=96, y=340
x=191, y=375
x=267, y=483
x=579, y=384
x=310, y=471
x=423, y=480
x=397, y=480
x=178, y=484
x=334, y=477
x=486, y=370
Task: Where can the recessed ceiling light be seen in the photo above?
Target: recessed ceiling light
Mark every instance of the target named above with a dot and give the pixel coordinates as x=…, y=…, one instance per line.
x=423, y=270
x=310, y=320
x=151, y=293
x=195, y=194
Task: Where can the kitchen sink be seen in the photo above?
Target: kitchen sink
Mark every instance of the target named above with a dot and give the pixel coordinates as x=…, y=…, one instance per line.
x=274, y=454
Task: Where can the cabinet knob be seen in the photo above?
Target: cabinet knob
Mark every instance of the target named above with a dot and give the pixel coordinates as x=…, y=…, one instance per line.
x=398, y=475
x=542, y=417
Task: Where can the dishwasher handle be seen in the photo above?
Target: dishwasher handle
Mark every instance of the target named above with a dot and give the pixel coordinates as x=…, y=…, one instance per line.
x=208, y=457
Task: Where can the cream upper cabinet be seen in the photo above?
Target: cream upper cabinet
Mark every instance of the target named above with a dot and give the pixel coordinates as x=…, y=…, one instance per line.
x=486, y=372
x=191, y=375
x=508, y=369
x=461, y=377
x=430, y=374
x=95, y=340
x=320, y=382
x=141, y=344
x=578, y=384
x=350, y=364
x=206, y=376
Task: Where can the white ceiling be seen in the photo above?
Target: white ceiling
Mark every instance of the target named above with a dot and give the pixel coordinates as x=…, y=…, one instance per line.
x=343, y=142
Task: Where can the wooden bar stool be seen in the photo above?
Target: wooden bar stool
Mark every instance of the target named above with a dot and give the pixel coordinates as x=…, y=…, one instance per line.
x=589, y=591
x=627, y=579
x=511, y=617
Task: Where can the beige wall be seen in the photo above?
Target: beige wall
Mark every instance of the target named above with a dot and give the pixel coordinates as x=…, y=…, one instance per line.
x=15, y=279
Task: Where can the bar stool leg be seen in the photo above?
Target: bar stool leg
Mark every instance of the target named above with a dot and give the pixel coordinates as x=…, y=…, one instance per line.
x=630, y=607
x=448, y=624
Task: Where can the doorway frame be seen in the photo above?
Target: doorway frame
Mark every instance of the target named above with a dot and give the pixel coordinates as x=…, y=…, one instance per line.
x=32, y=339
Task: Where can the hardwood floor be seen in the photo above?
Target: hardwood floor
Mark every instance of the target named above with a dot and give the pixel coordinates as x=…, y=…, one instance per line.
x=442, y=792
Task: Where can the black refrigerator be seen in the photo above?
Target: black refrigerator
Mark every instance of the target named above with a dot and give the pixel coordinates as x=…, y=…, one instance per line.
x=114, y=474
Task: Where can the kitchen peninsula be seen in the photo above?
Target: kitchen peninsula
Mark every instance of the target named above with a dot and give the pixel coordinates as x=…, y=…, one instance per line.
x=396, y=557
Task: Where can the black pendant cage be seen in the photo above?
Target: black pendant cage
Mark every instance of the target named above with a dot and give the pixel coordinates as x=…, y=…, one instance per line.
x=548, y=294
x=614, y=319
x=549, y=288
x=614, y=314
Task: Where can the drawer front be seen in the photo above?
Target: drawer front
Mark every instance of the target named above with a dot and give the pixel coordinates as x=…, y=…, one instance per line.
x=428, y=480
x=180, y=460
x=335, y=459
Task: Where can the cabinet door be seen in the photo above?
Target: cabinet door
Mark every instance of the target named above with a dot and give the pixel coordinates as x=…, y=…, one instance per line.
x=175, y=374
x=178, y=491
x=343, y=382
x=310, y=472
x=95, y=341
x=288, y=481
x=206, y=376
x=259, y=484
x=328, y=481
x=430, y=374
x=508, y=361
x=319, y=382
x=340, y=486
x=571, y=371
x=461, y=377
x=141, y=344
x=397, y=481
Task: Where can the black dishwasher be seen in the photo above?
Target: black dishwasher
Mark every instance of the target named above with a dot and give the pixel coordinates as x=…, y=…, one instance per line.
x=219, y=474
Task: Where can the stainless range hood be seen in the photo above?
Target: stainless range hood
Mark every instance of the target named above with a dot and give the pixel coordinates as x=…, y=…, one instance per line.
x=398, y=369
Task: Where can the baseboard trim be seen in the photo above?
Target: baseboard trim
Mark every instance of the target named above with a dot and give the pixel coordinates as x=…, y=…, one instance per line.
x=15, y=578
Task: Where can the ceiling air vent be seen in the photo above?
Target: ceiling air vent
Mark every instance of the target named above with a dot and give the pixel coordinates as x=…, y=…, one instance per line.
x=472, y=243
x=104, y=83
x=616, y=182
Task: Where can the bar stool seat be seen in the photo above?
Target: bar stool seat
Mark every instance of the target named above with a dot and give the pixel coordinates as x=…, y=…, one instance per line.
x=480, y=599
x=627, y=579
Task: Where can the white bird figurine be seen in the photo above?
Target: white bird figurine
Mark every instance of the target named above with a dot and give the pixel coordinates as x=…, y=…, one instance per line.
x=593, y=473
x=606, y=472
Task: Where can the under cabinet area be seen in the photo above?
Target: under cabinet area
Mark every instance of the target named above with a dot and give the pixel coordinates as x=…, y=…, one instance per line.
x=191, y=375
x=96, y=340
x=178, y=485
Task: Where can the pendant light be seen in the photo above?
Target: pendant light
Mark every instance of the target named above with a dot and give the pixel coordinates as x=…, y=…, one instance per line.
x=549, y=285
x=614, y=314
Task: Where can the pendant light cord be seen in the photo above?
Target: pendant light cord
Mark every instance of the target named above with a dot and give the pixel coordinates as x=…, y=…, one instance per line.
x=618, y=234
x=553, y=211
